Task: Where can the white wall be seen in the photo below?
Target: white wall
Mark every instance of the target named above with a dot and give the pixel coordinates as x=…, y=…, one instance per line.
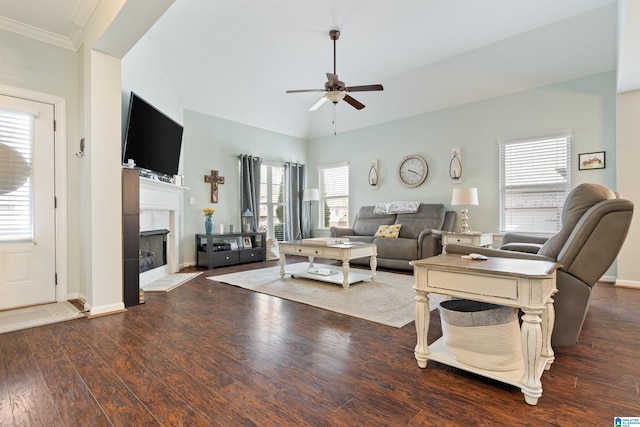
x=586, y=106
x=628, y=152
x=144, y=74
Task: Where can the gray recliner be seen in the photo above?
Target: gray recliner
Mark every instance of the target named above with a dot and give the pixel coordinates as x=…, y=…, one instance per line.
x=595, y=222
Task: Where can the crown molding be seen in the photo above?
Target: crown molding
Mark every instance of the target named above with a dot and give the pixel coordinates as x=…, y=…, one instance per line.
x=41, y=35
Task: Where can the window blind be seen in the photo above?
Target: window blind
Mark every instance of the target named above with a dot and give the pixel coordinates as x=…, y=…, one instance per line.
x=334, y=194
x=535, y=178
x=16, y=153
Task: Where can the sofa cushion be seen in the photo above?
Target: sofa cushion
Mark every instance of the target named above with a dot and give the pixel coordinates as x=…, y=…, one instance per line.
x=397, y=248
x=367, y=222
x=388, y=231
x=429, y=216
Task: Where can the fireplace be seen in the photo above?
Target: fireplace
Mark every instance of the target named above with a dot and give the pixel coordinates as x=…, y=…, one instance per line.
x=160, y=206
x=152, y=249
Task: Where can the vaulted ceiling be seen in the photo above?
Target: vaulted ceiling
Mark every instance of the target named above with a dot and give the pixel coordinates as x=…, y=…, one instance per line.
x=235, y=59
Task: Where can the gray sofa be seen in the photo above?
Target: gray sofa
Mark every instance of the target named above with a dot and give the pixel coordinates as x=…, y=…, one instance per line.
x=420, y=234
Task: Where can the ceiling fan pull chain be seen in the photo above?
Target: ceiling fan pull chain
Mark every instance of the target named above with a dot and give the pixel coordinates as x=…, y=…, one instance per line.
x=334, y=119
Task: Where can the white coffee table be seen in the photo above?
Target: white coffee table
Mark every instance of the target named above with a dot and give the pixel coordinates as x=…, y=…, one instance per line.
x=342, y=252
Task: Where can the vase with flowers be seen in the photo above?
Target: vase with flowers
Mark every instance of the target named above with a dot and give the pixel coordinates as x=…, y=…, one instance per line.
x=208, y=220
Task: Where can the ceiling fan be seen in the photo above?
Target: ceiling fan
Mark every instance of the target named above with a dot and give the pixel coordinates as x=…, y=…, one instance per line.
x=334, y=89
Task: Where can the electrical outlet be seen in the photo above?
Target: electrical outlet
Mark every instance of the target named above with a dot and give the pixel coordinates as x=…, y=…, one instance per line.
x=192, y=201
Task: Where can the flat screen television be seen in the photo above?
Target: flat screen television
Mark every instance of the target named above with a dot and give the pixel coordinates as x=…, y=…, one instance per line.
x=153, y=140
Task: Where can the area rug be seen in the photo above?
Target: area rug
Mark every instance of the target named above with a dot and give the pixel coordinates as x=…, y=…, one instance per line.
x=389, y=300
x=23, y=318
x=169, y=283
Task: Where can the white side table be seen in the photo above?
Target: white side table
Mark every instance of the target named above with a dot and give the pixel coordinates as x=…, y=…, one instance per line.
x=469, y=239
x=526, y=284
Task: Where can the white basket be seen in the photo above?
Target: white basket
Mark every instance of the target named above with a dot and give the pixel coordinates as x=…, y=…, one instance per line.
x=482, y=335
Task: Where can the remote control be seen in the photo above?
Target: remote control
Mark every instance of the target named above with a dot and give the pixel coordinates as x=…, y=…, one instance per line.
x=477, y=257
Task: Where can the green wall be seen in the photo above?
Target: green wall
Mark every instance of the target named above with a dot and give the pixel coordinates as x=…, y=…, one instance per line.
x=586, y=106
x=211, y=143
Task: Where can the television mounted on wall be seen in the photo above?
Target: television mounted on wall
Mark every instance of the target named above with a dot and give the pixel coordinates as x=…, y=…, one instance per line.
x=153, y=140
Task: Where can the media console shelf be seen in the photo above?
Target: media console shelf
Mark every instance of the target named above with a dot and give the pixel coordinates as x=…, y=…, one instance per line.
x=222, y=249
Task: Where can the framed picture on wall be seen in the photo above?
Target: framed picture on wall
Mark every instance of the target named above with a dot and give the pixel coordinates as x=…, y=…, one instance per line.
x=587, y=161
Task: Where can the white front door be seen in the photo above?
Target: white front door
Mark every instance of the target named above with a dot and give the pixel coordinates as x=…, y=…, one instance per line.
x=27, y=203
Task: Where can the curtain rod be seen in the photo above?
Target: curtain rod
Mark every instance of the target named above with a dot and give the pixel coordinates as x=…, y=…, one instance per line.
x=238, y=156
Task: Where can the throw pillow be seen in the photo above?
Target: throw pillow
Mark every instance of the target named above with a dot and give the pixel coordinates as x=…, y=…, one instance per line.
x=388, y=231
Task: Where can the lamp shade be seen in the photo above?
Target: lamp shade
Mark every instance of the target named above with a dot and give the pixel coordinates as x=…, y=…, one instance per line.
x=310, y=194
x=464, y=197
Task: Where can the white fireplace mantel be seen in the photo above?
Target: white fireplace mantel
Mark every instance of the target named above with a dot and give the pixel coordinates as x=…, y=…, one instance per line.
x=161, y=196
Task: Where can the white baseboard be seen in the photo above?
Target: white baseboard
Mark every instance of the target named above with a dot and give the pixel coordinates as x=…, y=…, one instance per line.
x=627, y=284
x=106, y=309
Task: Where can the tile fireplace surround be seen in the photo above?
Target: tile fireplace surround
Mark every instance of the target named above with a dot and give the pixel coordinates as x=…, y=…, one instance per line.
x=160, y=208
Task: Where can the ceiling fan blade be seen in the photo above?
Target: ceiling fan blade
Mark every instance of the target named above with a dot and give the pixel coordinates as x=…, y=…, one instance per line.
x=333, y=80
x=354, y=103
x=317, y=105
x=364, y=88
x=305, y=90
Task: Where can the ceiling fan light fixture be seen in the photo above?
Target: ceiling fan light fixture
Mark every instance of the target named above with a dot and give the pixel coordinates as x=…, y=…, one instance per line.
x=335, y=96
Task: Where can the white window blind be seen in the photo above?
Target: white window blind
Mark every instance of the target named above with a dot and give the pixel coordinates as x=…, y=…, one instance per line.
x=334, y=195
x=16, y=152
x=535, y=178
x=272, y=203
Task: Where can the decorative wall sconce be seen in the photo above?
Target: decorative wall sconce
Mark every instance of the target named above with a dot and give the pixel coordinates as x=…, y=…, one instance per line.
x=455, y=166
x=373, y=178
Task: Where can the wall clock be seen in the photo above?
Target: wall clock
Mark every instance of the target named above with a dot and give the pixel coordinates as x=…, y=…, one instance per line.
x=413, y=170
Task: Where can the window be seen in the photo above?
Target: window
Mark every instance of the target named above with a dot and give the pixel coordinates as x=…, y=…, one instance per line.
x=272, y=199
x=334, y=195
x=16, y=150
x=535, y=178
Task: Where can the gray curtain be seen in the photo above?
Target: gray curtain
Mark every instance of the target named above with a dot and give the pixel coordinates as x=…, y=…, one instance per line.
x=294, y=177
x=250, y=187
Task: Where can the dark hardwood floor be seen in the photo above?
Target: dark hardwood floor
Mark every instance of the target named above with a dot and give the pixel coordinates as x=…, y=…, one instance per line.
x=209, y=354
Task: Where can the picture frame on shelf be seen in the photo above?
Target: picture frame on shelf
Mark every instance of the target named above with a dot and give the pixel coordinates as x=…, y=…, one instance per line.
x=589, y=161
x=246, y=242
x=234, y=244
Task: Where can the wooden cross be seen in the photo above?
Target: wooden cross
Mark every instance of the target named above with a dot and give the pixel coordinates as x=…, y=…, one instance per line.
x=214, y=179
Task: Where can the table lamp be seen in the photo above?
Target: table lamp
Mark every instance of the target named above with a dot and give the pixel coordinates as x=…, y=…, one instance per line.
x=464, y=197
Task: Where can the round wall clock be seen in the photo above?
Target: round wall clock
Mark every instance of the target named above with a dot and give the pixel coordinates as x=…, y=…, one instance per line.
x=413, y=170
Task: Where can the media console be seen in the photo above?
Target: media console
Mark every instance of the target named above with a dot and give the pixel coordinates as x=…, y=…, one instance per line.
x=222, y=249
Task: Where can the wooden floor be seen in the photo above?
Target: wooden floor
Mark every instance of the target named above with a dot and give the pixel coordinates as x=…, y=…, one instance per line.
x=208, y=354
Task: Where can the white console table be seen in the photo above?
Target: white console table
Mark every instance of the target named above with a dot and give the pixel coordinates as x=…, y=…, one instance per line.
x=525, y=284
